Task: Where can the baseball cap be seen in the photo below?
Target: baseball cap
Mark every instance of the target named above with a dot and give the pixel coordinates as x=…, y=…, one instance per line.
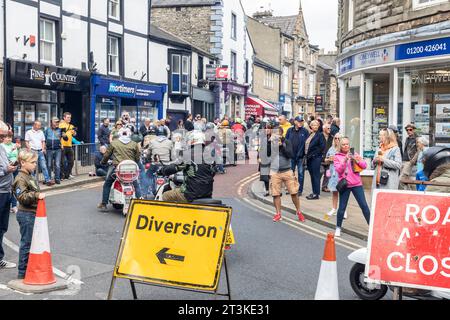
x=299, y=119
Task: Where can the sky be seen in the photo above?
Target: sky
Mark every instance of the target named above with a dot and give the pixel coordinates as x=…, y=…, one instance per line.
x=320, y=17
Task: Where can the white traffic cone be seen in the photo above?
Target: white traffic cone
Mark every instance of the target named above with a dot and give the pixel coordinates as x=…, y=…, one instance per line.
x=327, y=286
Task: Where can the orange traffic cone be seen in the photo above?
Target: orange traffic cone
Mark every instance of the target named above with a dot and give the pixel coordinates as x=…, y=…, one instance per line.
x=40, y=269
x=327, y=286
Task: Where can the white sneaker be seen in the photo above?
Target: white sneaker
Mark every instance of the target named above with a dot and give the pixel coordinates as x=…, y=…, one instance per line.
x=7, y=265
x=337, y=233
x=332, y=212
x=345, y=215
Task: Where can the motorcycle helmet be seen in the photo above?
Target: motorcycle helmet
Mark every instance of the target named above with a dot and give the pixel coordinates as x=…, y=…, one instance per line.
x=435, y=157
x=210, y=126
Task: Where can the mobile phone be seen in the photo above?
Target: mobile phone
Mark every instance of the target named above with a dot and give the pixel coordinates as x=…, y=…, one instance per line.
x=352, y=150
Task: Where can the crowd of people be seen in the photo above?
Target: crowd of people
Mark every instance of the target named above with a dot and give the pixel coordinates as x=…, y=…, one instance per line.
x=288, y=148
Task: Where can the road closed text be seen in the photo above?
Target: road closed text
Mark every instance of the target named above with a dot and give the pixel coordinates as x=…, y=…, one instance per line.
x=410, y=239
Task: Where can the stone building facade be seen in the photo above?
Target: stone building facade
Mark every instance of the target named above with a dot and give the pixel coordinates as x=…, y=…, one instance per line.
x=393, y=69
x=327, y=83
x=266, y=66
x=299, y=64
x=219, y=28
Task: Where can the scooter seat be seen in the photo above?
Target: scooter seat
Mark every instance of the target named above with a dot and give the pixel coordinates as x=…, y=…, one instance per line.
x=212, y=202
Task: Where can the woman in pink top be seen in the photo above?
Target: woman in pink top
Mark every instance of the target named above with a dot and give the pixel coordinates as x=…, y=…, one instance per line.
x=343, y=165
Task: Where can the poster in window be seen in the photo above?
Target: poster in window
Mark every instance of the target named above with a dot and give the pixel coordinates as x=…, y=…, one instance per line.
x=423, y=128
x=422, y=112
x=112, y=115
x=17, y=116
x=18, y=131
x=442, y=130
x=443, y=111
x=29, y=117
x=103, y=114
x=42, y=117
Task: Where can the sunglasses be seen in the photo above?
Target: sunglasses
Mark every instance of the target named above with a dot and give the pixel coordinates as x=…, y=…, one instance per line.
x=409, y=129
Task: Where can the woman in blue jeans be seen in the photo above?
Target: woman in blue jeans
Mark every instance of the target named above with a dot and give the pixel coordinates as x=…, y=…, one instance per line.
x=314, y=149
x=26, y=189
x=344, y=163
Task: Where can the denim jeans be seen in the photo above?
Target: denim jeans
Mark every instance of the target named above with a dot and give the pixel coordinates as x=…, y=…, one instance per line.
x=301, y=172
x=54, y=155
x=5, y=204
x=314, y=171
x=109, y=182
x=358, y=193
x=26, y=224
x=43, y=166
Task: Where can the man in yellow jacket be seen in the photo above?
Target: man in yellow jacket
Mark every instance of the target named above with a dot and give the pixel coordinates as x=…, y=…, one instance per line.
x=285, y=124
x=67, y=133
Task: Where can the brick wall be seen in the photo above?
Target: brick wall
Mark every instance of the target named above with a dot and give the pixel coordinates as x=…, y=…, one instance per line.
x=192, y=24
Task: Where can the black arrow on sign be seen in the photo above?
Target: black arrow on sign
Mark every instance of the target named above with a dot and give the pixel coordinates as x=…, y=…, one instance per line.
x=163, y=255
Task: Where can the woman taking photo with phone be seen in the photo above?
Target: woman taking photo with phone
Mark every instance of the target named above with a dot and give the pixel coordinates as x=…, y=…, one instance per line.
x=348, y=166
x=388, y=162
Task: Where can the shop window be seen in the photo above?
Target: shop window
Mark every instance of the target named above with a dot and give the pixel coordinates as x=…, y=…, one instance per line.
x=420, y=4
x=113, y=55
x=180, y=74
x=114, y=9
x=425, y=100
x=48, y=41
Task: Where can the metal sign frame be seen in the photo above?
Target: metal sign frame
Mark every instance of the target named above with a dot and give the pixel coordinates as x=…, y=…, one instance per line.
x=166, y=283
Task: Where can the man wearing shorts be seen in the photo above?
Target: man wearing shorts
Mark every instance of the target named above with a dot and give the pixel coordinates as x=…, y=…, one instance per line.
x=281, y=154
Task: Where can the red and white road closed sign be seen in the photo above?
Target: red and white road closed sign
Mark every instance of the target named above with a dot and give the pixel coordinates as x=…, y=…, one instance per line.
x=409, y=240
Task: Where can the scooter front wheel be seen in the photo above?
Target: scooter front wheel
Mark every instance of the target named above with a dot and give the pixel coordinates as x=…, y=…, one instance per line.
x=361, y=288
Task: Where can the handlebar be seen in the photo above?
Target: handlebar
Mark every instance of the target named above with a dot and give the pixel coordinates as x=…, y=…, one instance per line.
x=426, y=183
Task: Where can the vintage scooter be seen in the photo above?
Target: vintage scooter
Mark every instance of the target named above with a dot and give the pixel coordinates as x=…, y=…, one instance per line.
x=370, y=291
x=122, y=190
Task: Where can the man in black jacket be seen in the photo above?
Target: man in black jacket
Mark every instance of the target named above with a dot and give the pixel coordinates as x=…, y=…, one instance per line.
x=335, y=126
x=188, y=125
x=297, y=136
x=104, y=132
x=198, y=176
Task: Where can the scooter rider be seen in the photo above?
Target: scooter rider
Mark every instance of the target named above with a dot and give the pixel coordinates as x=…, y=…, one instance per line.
x=119, y=150
x=198, y=172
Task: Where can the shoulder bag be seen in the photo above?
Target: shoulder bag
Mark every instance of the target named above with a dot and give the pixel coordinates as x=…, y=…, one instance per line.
x=343, y=183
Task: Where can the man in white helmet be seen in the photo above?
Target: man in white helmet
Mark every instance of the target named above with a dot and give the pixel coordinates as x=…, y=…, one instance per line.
x=119, y=150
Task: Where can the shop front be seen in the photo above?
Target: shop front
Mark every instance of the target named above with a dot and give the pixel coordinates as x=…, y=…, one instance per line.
x=40, y=92
x=111, y=97
x=396, y=85
x=203, y=103
x=259, y=107
x=234, y=99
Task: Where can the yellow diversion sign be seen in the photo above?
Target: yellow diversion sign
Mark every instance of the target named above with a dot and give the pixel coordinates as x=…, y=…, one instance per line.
x=173, y=244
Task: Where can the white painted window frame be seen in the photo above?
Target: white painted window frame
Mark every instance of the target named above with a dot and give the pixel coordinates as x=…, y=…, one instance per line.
x=116, y=56
x=417, y=6
x=112, y=3
x=351, y=15
x=48, y=42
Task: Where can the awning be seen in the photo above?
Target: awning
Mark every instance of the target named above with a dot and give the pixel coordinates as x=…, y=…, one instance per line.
x=259, y=107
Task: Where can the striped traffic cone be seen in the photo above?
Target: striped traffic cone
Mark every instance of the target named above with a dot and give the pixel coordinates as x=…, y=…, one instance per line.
x=327, y=286
x=40, y=269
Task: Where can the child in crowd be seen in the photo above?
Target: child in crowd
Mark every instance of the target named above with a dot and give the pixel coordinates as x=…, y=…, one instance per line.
x=26, y=190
